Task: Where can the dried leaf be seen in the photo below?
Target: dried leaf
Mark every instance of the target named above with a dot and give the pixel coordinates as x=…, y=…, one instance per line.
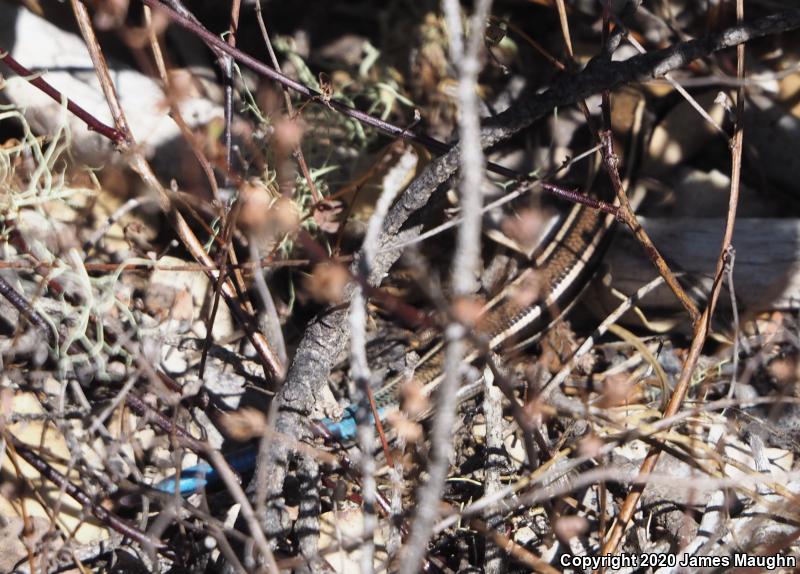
x=568, y=527
x=326, y=215
x=325, y=87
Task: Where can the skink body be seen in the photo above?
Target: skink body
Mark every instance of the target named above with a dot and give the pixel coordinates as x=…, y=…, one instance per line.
x=561, y=269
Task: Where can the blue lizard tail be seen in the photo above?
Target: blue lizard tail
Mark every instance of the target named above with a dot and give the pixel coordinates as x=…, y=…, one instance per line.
x=202, y=475
x=197, y=477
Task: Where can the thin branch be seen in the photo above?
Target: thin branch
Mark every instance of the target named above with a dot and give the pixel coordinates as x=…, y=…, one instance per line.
x=25, y=309
x=361, y=376
x=702, y=326
x=547, y=474
x=92, y=123
x=272, y=365
x=112, y=520
x=390, y=129
x=227, y=70
x=234, y=488
x=101, y=68
x=298, y=151
x=495, y=562
x=465, y=268
x=627, y=216
x=174, y=107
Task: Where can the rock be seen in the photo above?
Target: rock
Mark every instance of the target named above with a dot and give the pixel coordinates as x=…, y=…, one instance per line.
x=66, y=64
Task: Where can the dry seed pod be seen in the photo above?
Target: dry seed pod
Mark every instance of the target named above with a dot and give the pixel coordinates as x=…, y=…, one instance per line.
x=287, y=135
x=265, y=217
x=255, y=200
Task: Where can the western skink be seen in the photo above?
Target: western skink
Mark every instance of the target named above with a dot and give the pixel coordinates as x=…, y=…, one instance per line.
x=564, y=265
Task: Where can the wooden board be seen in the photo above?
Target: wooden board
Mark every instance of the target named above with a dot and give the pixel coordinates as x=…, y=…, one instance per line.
x=766, y=264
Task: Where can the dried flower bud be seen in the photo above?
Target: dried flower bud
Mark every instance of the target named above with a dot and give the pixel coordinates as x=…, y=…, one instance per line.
x=616, y=392
x=467, y=310
x=287, y=135
x=414, y=401
x=784, y=370
x=536, y=410
x=255, y=202
x=110, y=14
x=284, y=217
x=525, y=228
x=244, y=424
x=590, y=446
x=568, y=527
x=406, y=429
x=327, y=282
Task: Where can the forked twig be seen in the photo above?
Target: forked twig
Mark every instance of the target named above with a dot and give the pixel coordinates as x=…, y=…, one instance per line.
x=272, y=365
x=703, y=325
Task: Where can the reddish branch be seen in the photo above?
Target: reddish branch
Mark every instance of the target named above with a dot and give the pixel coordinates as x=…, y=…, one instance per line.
x=702, y=326
x=434, y=145
x=92, y=122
